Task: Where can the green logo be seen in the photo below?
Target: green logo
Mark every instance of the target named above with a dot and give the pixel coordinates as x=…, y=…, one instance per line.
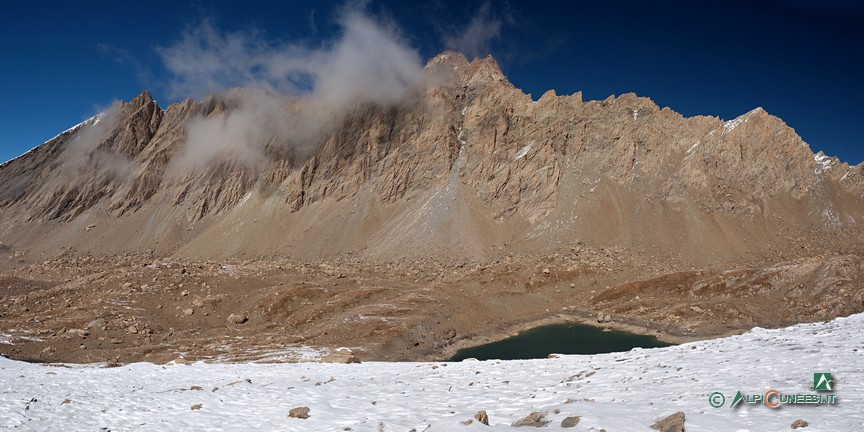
x=822, y=381
x=716, y=399
x=738, y=398
x=772, y=398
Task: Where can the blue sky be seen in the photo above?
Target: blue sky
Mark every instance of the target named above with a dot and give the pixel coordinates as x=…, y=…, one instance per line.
x=64, y=61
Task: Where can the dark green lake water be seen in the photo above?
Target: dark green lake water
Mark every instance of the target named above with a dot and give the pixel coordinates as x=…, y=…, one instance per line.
x=539, y=342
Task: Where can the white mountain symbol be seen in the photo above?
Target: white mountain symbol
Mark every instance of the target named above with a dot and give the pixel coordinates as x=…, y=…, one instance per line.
x=827, y=383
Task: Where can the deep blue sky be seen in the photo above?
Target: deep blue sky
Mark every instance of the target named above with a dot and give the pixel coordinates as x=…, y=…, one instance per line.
x=64, y=61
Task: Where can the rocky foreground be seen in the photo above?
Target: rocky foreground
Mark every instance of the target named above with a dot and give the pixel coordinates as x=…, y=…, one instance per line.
x=663, y=389
x=85, y=308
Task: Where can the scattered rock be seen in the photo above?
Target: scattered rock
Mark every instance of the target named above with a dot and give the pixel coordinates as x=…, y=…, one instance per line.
x=184, y=293
x=237, y=318
x=673, y=423
x=78, y=332
x=800, y=423
x=299, y=412
x=341, y=355
x=482, y=417
x=552, y=356
x=188, y=312
x=98, y=324
x=467, y=422
x=546, y=271
x=196, y=407
x=570, y=422
x=603, y=318
x=535, y=419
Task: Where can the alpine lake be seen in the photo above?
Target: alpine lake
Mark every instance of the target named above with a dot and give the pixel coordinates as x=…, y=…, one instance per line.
x=541, y=341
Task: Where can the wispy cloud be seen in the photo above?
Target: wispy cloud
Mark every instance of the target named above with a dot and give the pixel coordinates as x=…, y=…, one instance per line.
x=476, y=39
x=124, y=57
x=369, y=61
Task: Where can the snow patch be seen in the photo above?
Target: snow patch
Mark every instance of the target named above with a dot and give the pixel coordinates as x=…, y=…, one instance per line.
x=522, y=152
x=823, y=162
x=91, y=121
x=730, y=125
x=692, y=149
x=619, y=391
x=244, y=199
x=830, y=218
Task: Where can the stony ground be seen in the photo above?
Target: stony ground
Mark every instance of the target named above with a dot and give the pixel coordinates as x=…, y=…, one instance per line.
x=84, y=308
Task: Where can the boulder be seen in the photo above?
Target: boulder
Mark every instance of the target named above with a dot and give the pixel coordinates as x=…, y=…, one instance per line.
x=237, y=318
x=535, y=419
x=570, y=422
x=800, y=423
x=341, y=355
x=672, y=423
x=97, y=324
x=299, y=413
x=482, y=417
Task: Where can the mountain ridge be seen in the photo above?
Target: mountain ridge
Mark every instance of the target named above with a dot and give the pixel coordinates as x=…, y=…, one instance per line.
x=462, y=213
x=467, y=164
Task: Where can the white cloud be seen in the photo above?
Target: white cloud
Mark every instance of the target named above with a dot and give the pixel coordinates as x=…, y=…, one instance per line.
x=476, y=39
x=368, y=62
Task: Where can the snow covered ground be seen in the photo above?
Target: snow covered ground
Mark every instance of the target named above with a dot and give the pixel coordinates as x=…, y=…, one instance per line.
x=618, y=392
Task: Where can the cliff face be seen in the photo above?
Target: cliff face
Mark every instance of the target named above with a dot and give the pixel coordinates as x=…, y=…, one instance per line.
x=466, y=166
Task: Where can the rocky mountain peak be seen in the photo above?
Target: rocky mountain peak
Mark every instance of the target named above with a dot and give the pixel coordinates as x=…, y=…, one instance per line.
x=448, y=58
x=477, y=164
x=486, y=70
x=142, y=99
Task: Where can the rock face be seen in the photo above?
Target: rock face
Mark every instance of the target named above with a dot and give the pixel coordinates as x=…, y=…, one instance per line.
x=465, y=165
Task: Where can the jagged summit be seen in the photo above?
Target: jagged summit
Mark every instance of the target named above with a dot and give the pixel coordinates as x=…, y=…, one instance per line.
x=475, y=166
x=448, y=58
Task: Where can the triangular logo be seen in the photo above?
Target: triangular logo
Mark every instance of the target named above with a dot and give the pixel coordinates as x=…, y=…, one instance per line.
x=822, y=381
x=738, y=398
